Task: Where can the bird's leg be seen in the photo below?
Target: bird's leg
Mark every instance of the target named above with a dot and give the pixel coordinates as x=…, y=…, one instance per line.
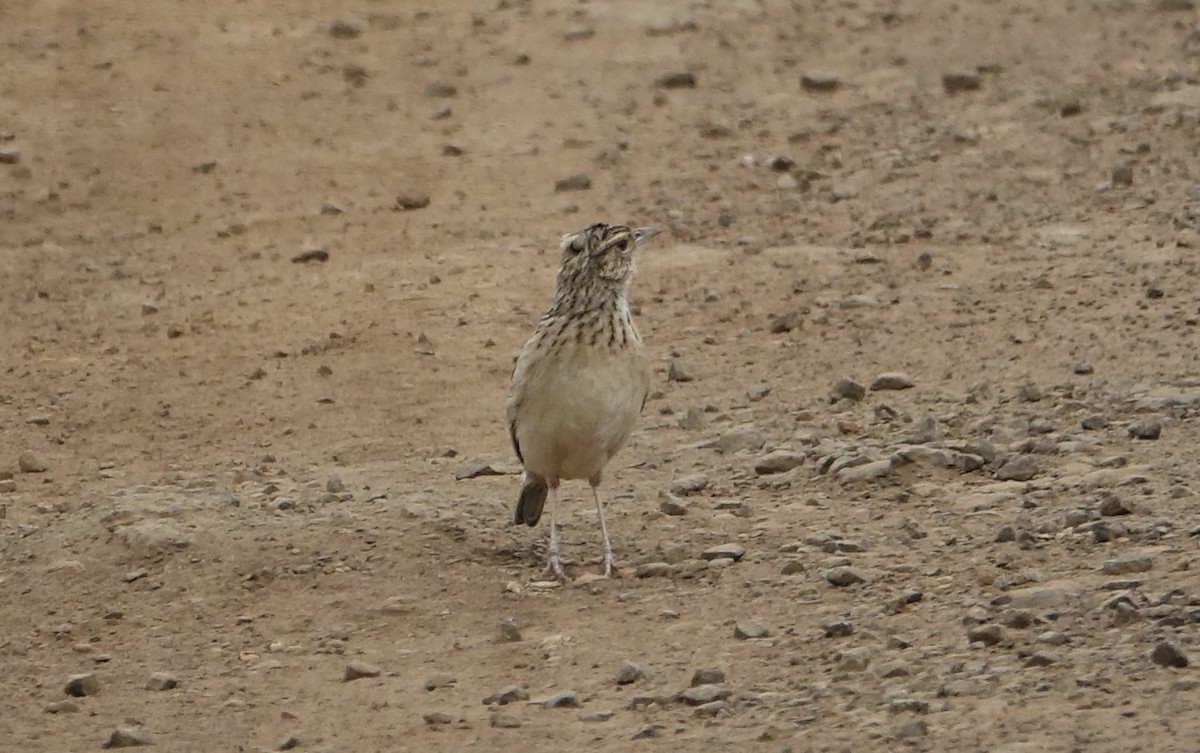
x=554, y=566
x=610, y=563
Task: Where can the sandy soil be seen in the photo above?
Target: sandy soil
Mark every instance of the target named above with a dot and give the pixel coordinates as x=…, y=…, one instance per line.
x=228, y=476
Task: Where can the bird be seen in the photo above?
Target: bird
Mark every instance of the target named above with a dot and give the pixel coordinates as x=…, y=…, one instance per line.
x=581, y=380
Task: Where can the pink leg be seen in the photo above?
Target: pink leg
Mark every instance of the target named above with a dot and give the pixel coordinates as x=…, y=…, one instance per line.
x=554, y=566
x=610, y=563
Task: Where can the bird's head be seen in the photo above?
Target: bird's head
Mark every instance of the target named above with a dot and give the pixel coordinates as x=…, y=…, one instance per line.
x=600, y=256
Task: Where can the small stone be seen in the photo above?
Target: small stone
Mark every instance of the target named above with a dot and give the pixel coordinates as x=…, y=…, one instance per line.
x=1094, y=422
x=855, y=659
x=739, y=438
x=82, y=685
x=699, y=695
x=408, y=202
x=1155, y=290
x=669, y=504
x=440, y=89
x=599, y=715
x=1114, y=506
x=1051, y=638
x=649, y=731
x=653, y=570
x=1005, y=534
x=629, y=672
x=787, y=322
x=779, y=461
x=506, y=696
x=475, y=470
x=820, y=81
x=1131, y=563
x=356, y=670
x=312, y=254
x=1040, y=659
x=988, y=635
x=961, y=81
x=848, y=389
x=1150, y=428
x=561, y=699
x=735, y=506
x=1018, y=468
x=1083, y=368
x=912, y=727
x=865, y=472
x=65, y=706
x=715, y=708
x=1122, y=174
x=707, y=676
x=504, y=721
x=1167, y=654
x=842, y=577
x=31, y=463
x=836, y=628
x=439, y=681
x=693, y=484
x=724, y=551
x=10, y=156
x=334, y=485
x=436, y=718
x=750, y=630
x=758, y=392
x=162, y=681
x=342, y=29
x=128, y=737
x=291, y=742
x=676, y=80
x=7, y=486
x=38, y=420
x=575, y=182
x=676, y=373
x=576, y=33
x=895, y=380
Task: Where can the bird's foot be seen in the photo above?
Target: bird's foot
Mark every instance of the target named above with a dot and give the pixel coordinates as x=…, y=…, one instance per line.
x=610, y=563
x=554, y=569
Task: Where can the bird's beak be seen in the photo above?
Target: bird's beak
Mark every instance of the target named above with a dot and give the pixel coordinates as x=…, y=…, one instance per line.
x=643, y=234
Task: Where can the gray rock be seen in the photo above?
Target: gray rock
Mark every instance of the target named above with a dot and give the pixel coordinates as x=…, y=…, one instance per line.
x=475, y=470
x=1167, y=654
x=849, y=389
x=346, y=29
x=653, y=570
x=715, y=708
x=409, y=202
x=561, y=699
x=10, y=156
x=1018, y=468
x=357, y=670
x=787, y=322
x=648, y=731
x=1150, y=428
x=1094, y=422
x=855, y=659
x=128, y=737
x=599, y=715
x=687, y=485
x=750, y=630
x=65, y=706
x=672, y=552
x=511, y=694
x=677, y=373
x=779, y=461
x=699, y=695
x=440, y=89
x=82, y=685
x=836, y=628
x=988, y=635
x=1122, y=174
x=758, y=392
x=865, y=472
x=707, y=676
x=1052, y=638
x=893, y=380
x=669, y=504
x=162, y=681
x=575, y=182
x=961, y=81
x=28, y=462
x=334, y=485
x=7, y=486
x=504, y=721
x=152, y=537
x=820, y=81
x=1130, y=563
x=629, y=672
x=439, y=681
x=908, y=705
x=731, y=551
x=843, y=577
x=436, y=718
x=746, y=437
x=1113, y=506
x=912, y=727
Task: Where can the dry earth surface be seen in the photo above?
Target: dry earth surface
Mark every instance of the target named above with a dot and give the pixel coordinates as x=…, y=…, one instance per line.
x=232, y=476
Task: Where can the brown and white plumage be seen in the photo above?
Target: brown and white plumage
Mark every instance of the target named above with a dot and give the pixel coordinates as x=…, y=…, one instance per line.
x=582, y=378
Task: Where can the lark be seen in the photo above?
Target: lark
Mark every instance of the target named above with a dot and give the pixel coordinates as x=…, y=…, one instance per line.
x=581, y=379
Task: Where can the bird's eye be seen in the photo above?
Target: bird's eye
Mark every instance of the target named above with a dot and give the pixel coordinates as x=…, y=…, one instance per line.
x=622, y=245
x=577, y=245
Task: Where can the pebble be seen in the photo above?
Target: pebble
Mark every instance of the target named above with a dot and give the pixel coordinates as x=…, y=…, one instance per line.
x=758, y=392
x=849, y=389
x=334, y=485
x=408, y=202
x=312, y=254
x=653, y=570
x=893, y=380
x=128, y=737
x=1094, y=422
x=1052, y=638
x=669, y=504
x=1167, y=654
x=650, y=730
x=475, y=470
x=842, y=577
x=575, y=182
x=1122, y=175
x=779, y=461
x=508, y=695
x=988, y=635
x=599, y=715
x=865, y=472
x=343, y=29
x=440, y=89
x=736, y=507
x=10, y=156
x=715, y=708
x=81, y=685
x=162, y=681
x=28, y=462
x=290, y=742
x=1150, y=428
x=1114, y=506
x=1083, y=368
x=1130, y=563
x=698, y=695
x=707, y=676
x=961, y=81
x=436, y=718
x=687, y=485
x=439, y=681
x=820, y=81
x=561, y=699
x=629, y=672
x=855, y=659
x=356, y=670
x=504, y=721
x=65, y=706
x=750, y=630
x=912, y=727
x=676, y=80
x=7, y=486
x=836, y=628
x=1018, y=468
x=740, y=438
x=731, y=551
x=787, y=322
x=676, y=373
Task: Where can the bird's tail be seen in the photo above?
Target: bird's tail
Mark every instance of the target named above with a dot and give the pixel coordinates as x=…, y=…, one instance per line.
x=531, y=501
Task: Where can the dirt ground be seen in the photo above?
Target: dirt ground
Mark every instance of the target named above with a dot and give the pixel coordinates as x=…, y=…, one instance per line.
x=229, y=476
